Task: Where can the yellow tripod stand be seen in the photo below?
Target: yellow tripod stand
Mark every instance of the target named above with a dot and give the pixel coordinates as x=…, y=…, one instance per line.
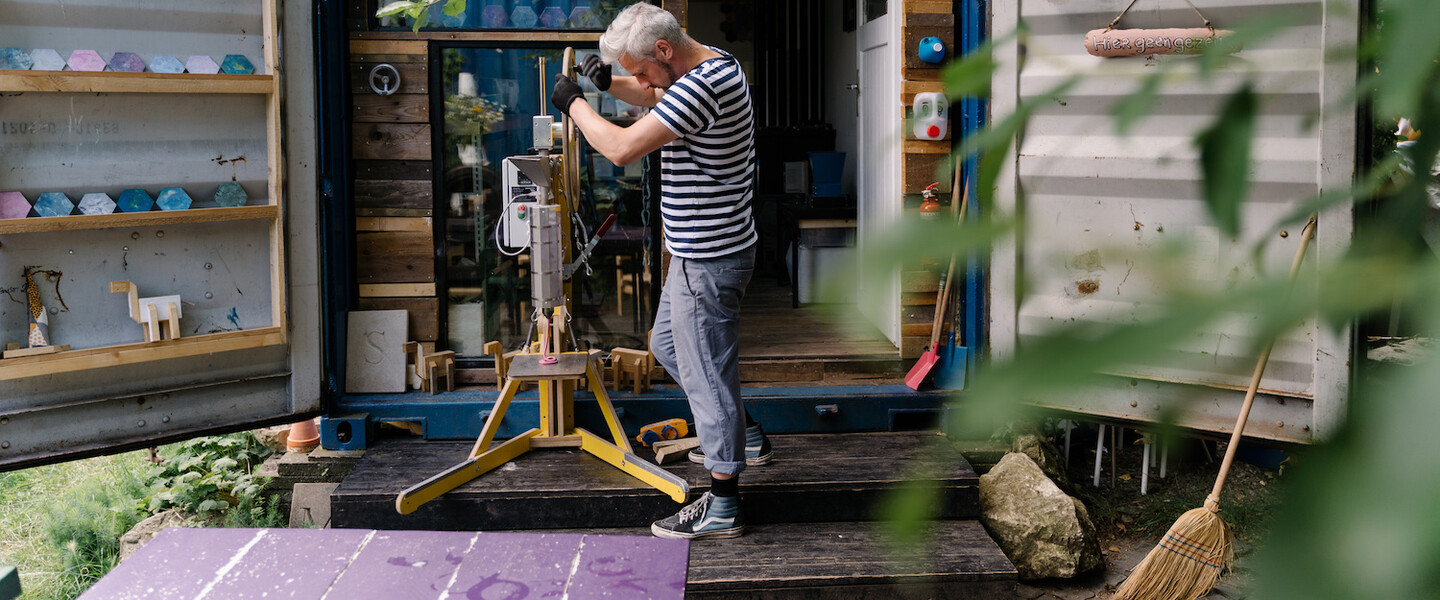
x=555, y=371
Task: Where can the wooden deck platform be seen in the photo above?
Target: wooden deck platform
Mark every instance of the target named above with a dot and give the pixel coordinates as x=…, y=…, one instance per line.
x=823, y=477
x=812, y=516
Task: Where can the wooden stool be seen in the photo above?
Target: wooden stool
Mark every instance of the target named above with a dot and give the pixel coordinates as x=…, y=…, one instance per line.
x=440, y=365
x=637, y=364
x=502, y=363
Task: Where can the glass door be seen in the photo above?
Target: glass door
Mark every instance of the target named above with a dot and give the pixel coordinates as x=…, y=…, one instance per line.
x=490, y=94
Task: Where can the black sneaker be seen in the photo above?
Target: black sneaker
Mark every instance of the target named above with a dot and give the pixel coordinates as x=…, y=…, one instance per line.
x=757, y=448
x=709, y=517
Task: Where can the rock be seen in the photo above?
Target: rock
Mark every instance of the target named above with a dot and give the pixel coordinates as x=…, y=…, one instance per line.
x=1046, y=455
x=273, y=438
x=144, y=531
x=1045, y=532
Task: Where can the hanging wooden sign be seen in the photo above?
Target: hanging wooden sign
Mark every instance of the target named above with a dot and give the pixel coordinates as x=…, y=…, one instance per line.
x=1111, y=43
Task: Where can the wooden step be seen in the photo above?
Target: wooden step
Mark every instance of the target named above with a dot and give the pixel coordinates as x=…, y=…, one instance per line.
x=849, y=560
x=813, y=478
x=785, y=561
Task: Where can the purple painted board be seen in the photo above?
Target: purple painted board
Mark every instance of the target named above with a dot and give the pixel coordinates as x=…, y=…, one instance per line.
x=404, y=564
x=516, y=565
x=291, y=563
x=178, y=563
x=615, y=566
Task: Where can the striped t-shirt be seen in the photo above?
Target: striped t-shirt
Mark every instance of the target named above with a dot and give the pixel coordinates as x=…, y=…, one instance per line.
x=708, y=173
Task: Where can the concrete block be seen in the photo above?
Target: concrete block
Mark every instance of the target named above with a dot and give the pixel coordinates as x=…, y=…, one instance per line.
x=310, y=504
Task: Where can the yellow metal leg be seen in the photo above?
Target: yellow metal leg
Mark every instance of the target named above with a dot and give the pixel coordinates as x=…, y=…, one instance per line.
x=678, y=489
x=456, y=476
x=497, y=412
x=607, y=409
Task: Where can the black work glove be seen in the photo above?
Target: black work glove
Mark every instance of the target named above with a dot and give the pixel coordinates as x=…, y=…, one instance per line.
x=596, y=71
x=566, y=91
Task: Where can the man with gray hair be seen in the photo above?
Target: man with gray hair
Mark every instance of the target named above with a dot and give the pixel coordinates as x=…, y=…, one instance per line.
x=704, y=126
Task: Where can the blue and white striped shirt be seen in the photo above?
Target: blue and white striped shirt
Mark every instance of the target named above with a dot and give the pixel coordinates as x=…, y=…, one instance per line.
x=708, y=173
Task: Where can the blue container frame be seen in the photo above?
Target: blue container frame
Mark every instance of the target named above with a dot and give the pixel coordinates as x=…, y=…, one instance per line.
x=351, y=418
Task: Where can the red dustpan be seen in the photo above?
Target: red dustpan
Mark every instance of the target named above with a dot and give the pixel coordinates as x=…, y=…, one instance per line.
x=922, y=368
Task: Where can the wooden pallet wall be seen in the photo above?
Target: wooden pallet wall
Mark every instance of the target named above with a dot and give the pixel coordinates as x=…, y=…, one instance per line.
x=394, y=185
x=922, y=159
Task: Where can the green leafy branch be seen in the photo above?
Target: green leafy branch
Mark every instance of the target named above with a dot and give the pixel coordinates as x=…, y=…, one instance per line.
x=418, y=11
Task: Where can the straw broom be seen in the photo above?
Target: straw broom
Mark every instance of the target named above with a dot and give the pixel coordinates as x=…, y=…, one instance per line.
x=1197, y=548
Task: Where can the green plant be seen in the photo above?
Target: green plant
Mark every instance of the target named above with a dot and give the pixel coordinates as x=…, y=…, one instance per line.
x=418, y=11
x=83, y=523
x=471, y=115
x=1358, y=518
x=209, y=476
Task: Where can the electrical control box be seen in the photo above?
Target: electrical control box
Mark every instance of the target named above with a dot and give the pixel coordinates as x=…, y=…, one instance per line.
x=521, y=195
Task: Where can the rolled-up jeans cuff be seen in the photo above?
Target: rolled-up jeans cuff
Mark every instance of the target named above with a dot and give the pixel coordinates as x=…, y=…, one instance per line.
x=724, y=468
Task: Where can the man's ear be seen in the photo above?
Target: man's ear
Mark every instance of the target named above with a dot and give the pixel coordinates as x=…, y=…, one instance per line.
x=663, y=50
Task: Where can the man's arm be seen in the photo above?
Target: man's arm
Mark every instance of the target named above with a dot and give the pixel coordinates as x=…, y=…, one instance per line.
x=628, y=89
x=622, y=145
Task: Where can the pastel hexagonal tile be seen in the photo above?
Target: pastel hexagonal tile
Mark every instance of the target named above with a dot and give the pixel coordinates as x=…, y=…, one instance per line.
x=202, y=65
x=236, y=64
x=96, y=203
x=13, y=205
x=53, y=204
x=46, y=59
x=173, y=199
x=135, y=200
x=15, y=58
x=231, y=195
x=127, y=62
x=166, y=64
x=86, y=60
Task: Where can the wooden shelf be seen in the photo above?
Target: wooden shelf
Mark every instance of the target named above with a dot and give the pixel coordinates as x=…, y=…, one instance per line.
x=127, y=354
x=142, y=83
x=145, y=219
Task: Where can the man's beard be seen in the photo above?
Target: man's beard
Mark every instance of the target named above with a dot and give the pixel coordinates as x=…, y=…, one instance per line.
x=669, y=72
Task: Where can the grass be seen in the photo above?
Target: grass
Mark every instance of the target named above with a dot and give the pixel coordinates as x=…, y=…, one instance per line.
x=41, y=504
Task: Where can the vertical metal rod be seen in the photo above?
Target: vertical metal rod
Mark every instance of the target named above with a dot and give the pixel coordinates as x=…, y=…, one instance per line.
x=1099, y=453
x=1068, y=427
x=1164, y=456
x=542, y=96
x=1145, y=471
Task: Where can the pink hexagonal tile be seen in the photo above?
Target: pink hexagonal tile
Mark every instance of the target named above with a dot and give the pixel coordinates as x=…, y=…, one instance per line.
x=203, y=65
x=13, y=205
x=86, y=60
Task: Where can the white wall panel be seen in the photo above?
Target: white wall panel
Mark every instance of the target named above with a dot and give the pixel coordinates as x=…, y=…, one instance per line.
x=1097, y=204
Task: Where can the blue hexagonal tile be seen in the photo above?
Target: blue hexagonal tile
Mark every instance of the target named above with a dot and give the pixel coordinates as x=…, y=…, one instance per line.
x=202, y=65
x=15, y=58
x=13, y=205
x=173, y=199
x=46, y=59
x=127, y=62
x=236, y=64
x=135, y=200
x=231, y=195
x=96, y=204
x=53, y=204
x=166, y=64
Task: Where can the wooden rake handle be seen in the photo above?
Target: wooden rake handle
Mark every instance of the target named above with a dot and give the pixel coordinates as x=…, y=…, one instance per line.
x=1212, y=502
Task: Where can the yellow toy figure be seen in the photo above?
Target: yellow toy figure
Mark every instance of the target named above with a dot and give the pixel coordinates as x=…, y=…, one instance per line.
x=39, y=321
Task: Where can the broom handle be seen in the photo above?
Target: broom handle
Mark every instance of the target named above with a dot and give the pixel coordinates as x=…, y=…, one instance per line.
x=942, y=301
x=1212, y=501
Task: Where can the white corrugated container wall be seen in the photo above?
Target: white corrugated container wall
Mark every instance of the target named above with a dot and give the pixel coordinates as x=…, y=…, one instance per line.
x=1096, y=203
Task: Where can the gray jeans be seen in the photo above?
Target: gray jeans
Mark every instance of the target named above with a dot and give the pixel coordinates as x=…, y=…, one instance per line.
x=697, y=339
